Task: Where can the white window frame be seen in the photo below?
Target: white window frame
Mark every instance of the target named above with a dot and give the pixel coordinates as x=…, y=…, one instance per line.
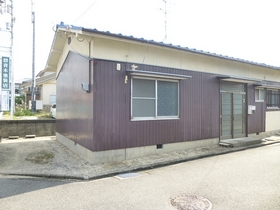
x=257, y=92
x=156, y=99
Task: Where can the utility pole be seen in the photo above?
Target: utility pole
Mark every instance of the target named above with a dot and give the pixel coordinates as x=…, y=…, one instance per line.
x=8, y=85
x=12, y=109
x=33, y=99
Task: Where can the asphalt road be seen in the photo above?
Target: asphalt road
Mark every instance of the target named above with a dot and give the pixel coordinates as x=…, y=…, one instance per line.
x=247, y=180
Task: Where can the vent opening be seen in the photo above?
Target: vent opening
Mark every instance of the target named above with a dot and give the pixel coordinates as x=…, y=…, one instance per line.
x=159, y=146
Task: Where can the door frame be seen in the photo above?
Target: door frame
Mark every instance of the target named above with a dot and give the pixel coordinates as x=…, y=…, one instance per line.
x=245, y=114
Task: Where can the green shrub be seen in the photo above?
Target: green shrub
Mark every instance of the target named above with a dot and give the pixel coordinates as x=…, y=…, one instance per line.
x=22, y=110
x=20, y=99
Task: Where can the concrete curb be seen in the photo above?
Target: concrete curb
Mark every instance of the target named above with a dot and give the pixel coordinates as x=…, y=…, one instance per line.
x=167, y=163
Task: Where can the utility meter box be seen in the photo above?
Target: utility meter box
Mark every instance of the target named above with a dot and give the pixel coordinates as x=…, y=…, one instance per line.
x=251, y=109
x=39, y=105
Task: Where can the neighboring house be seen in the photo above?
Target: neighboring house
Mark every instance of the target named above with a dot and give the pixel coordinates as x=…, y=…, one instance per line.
x=18, y=84
x=121, y=97
x=17, y=88
x=45, y=89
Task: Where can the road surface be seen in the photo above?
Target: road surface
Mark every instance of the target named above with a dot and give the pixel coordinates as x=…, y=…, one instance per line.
x=247, y=179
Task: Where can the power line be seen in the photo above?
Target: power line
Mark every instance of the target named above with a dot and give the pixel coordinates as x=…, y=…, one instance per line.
x=85, y=11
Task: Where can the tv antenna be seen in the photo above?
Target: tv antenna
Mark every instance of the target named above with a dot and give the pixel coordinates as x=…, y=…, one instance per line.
x=165, y=20
x=165, y=11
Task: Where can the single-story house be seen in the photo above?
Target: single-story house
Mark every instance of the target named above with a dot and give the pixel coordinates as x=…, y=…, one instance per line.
x=45, y=89
x=121, y=97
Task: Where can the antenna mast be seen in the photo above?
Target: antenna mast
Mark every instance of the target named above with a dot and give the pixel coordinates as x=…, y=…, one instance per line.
x=165, y=19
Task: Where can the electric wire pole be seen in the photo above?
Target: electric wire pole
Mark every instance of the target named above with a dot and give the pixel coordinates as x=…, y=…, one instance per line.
x=7, y=9
x=12, y=109
x=33, y=99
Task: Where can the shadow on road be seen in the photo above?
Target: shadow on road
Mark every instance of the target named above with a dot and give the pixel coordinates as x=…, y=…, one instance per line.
x=11, y=187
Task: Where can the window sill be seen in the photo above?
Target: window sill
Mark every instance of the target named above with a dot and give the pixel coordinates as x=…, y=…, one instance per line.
x=272, y=109
x=153, y=119
x=259, y=101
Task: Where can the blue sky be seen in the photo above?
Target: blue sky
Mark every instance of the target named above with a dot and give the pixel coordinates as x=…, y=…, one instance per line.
x=247, y=29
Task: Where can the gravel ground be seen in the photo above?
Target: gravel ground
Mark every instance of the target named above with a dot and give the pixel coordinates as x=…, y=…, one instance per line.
x=46, y=157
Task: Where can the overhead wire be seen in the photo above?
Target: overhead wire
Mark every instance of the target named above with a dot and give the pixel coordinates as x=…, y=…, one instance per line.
x=147, y=49
x=81, y=40
x=85, y=11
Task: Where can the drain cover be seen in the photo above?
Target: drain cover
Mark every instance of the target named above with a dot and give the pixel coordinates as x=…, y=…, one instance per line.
x=190, y=202
x=127, y=175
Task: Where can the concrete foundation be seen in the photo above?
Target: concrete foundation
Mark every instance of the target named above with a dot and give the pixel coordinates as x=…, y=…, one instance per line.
x=264, y=134
x=130, y=153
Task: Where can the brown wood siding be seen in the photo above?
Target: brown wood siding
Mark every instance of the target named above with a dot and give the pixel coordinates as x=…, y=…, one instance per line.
x=74, y=106
x=256, y=121
x=113, y=129
x=100, y=120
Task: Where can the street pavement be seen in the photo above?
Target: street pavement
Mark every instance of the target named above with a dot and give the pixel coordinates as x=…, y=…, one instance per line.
x=247, y=179
x=46, y=157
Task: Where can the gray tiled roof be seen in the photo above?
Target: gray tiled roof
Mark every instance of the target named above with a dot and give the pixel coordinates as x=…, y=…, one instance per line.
x=62, y=25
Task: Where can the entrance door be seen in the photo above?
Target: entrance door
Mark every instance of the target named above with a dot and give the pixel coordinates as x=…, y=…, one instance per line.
x=233, y=110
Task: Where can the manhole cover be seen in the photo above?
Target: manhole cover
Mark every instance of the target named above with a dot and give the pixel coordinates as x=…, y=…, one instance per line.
x=190, y=202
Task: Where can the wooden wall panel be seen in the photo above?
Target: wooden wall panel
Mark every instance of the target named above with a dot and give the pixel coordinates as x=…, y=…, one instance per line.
x=256, y=121
x=74, y=105
x=100, y=120
x=199, y=108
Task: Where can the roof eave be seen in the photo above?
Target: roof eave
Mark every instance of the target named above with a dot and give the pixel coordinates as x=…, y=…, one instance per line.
x=120, y=36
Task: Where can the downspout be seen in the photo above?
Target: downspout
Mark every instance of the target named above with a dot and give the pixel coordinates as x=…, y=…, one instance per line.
x=90, y=66
x=87, y=86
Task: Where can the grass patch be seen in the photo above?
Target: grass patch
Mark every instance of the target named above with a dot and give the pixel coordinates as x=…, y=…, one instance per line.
x=6, y=113
x=23, y=113
x=41, y=157
x=43, y=115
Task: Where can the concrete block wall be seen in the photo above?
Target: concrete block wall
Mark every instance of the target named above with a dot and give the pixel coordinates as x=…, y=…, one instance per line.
x=47, y=108
x=22, y=128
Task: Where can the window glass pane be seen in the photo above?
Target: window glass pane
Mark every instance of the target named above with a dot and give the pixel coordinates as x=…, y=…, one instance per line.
x=143, y=88
x=143, y=108
x=238, y=111
x=52, y=99
x=232, y=86
x=272, y=98
x=167, y=93
x=261, y=95
x=226, y=109
x=257, y=94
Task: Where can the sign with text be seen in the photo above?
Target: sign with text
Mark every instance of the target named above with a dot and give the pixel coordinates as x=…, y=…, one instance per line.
x=5, y=73
x=4, y=101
